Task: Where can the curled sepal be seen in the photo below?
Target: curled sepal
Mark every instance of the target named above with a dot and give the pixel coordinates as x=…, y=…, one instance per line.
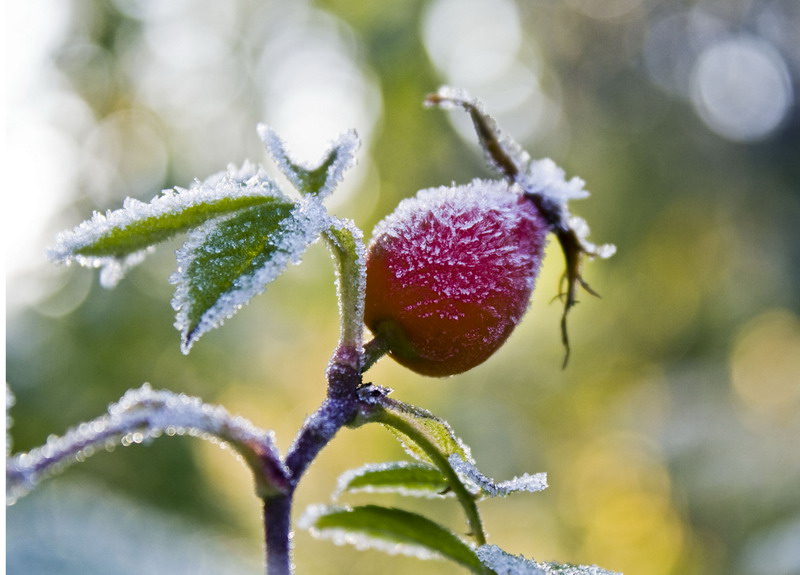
x=413, y=479
x=503, y=563
x=227, y=261
x=318, y=180
x=139, y=416
x=488, y=487
x=391, y=530
x=543, y=183
x=119, y=239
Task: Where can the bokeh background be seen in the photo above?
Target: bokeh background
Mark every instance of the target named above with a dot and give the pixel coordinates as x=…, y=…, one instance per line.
x=671, y=441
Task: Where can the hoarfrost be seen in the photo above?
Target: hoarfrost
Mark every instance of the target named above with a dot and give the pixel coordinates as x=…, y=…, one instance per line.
x=360, y=541
x=527, y=482
x=301, y=229
x=340, y=157
x=139, y=416
x=487, y=242
x=504, y=563
x=246, y=181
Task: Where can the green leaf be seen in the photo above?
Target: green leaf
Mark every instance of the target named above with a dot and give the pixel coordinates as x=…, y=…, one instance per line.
x=414, y=479
x=422, y=422
x=140, y=234
x=390, y=530
x=321, y=179
x=504, y=563
x=430, y=440
x=228, y=261
x=118, y=239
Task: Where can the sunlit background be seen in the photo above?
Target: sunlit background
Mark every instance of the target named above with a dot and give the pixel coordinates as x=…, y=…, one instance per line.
x=671, y=441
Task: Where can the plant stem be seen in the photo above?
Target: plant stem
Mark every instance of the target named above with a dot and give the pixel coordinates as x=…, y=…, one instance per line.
x=277, y=530
x=374, y=349
x=338, y=409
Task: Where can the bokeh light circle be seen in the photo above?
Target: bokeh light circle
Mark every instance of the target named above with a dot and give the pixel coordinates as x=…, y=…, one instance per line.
x=741, y=88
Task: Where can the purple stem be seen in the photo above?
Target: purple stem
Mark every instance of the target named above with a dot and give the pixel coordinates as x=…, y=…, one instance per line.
x=338, y=409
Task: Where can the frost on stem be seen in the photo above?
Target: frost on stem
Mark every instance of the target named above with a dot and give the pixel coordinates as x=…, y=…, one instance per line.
x=346, y=243
x=544, y=183
x=142, y=415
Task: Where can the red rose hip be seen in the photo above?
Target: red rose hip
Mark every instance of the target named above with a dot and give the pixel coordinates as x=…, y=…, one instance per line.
x=450, y=273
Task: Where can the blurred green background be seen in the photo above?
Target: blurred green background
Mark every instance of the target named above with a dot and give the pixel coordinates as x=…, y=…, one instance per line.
x=671, y=439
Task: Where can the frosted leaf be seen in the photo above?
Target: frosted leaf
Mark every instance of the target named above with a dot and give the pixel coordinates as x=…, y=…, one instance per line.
x=319, y=180
x=390, y=530
x=228, y=261
x=527, y=482
x=433, y=428
x=119, y=239
x=140, y=416
x=401, y=477
x=503, y=563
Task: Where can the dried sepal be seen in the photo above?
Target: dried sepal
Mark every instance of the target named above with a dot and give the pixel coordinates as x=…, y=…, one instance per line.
x=544, y=183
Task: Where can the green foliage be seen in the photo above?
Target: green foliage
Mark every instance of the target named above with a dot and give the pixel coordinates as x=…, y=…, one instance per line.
x=393, y=530
x=419, y=479
x=229, y=257
x=148, y=231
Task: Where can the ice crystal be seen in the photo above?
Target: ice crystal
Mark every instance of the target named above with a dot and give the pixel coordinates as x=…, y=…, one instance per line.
x=218, y=193
x=527, y=482
x=319, y=180
x=504, y=563
x=139, y=416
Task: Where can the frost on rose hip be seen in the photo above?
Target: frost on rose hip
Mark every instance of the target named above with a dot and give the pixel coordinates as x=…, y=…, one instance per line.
x=450, y=273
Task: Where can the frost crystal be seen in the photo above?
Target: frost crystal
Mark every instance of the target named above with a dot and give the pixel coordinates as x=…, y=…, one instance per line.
x=504, y=563
x=319, y=180
x=227, y=187
x=139, y=416
x=527, y=482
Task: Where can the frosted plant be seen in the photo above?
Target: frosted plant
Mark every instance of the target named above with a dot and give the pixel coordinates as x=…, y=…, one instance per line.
x=472, y=251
